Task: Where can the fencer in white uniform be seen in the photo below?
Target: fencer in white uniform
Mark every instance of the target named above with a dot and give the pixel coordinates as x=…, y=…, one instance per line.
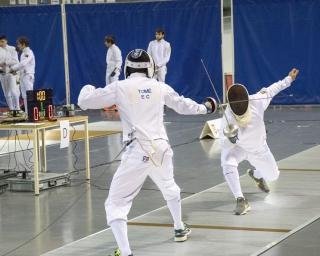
x=244, y=137
x=113, y=60
x=160, y=51
x=26, y=67
x=9, y=57
x=140, y=100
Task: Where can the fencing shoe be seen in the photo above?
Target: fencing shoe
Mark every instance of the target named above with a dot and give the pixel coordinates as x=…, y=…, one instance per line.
x=242, y=206
x=261, y=183
x=181, y=235
x=118, y=253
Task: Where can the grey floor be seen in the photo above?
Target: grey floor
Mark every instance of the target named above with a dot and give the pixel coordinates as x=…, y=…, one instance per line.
x=214, y=230
x=304, y=242
x=35, y=225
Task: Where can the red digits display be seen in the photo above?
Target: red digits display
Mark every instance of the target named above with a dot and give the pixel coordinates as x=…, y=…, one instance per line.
x=50, y=112
x=35, y=114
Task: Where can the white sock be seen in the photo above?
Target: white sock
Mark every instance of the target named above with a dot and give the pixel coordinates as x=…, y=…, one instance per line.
x=231, y=175
x=120, y=232
x=175, y=210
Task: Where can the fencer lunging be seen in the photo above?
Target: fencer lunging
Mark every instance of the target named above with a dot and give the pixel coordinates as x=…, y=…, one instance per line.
x=249, y=143
x=140, y=100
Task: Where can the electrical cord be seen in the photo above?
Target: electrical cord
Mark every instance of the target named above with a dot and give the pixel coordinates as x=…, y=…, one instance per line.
x=107, y=164
x=29, y=149
x=4, y=144
x=22, y=151
x=14, y=154
x=48, y=226
x=115, y=160
x=17, y=140
x=76, y=158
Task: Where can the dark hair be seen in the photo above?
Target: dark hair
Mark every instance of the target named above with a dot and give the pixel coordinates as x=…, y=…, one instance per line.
x=23, y=40
x=3, y=37
x=110, y=39
x=160, y=31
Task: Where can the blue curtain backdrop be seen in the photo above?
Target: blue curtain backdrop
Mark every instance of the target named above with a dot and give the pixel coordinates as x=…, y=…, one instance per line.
x=42, y=25
x=273, y=36
x=192, y=27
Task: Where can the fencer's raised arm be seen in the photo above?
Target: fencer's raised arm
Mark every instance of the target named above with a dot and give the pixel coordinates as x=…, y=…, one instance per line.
x=97, y=98
x=268, y=93
x=182, y=105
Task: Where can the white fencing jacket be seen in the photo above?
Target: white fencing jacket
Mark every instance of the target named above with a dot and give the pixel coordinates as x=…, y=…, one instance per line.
x=160, y=51
x=11, y=57
x=140, y=101
x=113, y=59
x=27, y=62
x=3, y=57
x=253, y=137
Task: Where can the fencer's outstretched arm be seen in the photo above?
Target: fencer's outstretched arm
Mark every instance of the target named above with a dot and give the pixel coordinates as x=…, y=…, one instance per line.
x=24, y=63
x=97, y=98
x=182, y=105
x=268, y=93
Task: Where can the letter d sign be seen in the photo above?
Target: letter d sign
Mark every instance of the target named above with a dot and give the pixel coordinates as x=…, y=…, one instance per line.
x=64, y=134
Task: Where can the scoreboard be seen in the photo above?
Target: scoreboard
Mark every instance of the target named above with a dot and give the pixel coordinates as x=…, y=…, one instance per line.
x=40, y=105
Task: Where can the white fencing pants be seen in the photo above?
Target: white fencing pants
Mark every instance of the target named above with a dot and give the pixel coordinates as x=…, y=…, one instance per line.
x=26, y=84
x=161, y=73
x=10, y=90
x=136, y=165
x=110, y=79
x=263, y=161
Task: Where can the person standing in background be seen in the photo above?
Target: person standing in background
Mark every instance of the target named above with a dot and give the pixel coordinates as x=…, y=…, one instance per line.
x=9, y=80
x=160, y=51
x=26, y=67
x=113, y=60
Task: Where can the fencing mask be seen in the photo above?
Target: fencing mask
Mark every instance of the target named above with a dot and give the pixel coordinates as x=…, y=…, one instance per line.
x=238, y=100
x=139, y=61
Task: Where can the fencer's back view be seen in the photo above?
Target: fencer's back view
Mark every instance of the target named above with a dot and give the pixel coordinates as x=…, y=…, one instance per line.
x=140, y=101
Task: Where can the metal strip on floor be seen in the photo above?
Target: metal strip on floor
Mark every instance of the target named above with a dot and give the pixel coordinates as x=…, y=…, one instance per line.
x=278, y=230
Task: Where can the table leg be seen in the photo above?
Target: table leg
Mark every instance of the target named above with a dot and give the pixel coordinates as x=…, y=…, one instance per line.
x=44, y=151
x=87, y=150
x=36, y=161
